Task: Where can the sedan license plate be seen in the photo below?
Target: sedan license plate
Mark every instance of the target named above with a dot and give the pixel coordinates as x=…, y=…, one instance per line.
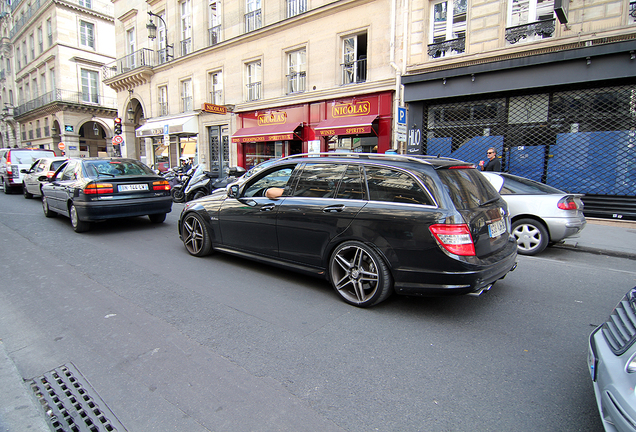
x=132, y=187
x=497, y=228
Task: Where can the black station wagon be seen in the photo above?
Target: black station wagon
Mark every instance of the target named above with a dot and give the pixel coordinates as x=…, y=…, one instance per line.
x=371, y=224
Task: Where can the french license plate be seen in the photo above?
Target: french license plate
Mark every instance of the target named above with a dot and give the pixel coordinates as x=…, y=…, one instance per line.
x=132, y=187
x=497, y=228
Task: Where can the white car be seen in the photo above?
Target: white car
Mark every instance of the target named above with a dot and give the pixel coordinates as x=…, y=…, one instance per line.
x=41, y=170
x=14, y=160
x=540, y=214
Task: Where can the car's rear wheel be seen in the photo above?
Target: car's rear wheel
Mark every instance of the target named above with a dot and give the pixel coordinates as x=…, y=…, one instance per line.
x=532, y=236
x=7, y=188
x=26, y=193
x=47, y=211
x=195, y=235
x=78, y=224
x=359, y=274
x=157, y=218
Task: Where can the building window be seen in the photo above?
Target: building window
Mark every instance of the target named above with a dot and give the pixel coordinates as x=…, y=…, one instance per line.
x=186, y=27
x=216, y=88
x=214, y=22
x=296, y=71
x=448, y=32
x=32, y=46
x=38, y=130
x=24, y=53
x=86, y=3
x=530, y=20
x=40, y=40
x=631, y=19
x=17, y=57
x=130, y=48
x=35, y=88
x=163, y=100
x=47, y=132
x=296, y=7
x=186, y=95
x=87, y=34
x=8, y=63
x=90, y=89
x=49, y=32
x=253, y=81
x=354, y=65
x=52, y=79
x=253, y=19
x=43, y=83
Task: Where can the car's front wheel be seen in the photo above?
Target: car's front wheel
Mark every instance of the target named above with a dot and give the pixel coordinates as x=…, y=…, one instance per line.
x=532, y=236
x=157, y=218
x=47, y=211
x=26, y=193
x=359, y=274
x=78, y=225
x=195, y=235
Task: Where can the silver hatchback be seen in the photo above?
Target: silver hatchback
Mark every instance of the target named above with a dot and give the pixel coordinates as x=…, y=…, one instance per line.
x=541, y=215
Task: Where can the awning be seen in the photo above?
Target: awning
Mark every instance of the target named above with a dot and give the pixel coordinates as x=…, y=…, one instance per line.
x=284, y=132
x=180, y=125
x=360, y=125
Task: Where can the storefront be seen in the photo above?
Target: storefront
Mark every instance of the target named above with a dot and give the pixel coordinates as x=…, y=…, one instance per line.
x=172, y=138
x=357, y=124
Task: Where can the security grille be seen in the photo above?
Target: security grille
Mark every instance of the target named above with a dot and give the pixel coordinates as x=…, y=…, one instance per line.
x=581, y=141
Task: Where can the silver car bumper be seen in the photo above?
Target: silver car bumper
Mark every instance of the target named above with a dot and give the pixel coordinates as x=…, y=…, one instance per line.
x=561, y=228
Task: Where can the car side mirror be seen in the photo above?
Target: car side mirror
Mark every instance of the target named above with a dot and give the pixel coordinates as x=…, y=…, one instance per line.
x=236, y=171
x=24, y=171
x=232, y=190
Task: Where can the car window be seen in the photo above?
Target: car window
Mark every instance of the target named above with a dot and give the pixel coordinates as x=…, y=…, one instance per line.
x=277, y=178
x=520, y=185
x=29, y=156
x=467, y=187
x=352, y=185
x=319, y=180
x=69, y=172
x=390, y=185
x=114, y=168
x=55, y=164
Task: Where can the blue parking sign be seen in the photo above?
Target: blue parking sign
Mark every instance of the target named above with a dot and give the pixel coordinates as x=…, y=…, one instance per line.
x=401, y=115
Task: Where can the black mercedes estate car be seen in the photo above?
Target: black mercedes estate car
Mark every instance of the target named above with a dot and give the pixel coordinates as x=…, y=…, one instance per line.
x=371, y=224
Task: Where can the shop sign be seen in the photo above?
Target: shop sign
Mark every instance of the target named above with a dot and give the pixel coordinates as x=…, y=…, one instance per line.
x=272, y=118
x=214, y=109
x=354, y=130
x=351, y=109
x=264, y=138
x=68, y=128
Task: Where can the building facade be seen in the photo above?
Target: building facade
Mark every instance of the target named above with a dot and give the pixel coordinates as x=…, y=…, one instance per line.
x=550, y=84
x=239, y=82
x=52, y=93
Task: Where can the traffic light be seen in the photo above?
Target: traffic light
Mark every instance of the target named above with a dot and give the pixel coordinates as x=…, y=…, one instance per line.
x=117, y=126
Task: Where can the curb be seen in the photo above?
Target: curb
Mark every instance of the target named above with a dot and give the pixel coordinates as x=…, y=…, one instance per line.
x=597, y=251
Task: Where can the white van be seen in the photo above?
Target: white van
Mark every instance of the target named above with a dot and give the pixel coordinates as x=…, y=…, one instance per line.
x=13, y=160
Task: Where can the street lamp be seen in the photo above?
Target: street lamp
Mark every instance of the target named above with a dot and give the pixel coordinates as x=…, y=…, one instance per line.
x=152, y=32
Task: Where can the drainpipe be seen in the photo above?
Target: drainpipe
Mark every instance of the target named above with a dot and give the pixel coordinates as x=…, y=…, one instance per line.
x=398, y=80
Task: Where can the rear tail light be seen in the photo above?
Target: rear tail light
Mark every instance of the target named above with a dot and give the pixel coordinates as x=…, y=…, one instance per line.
x=567, y=203
x=462, y=167
x=456, y=239
x=98, y=188
x=161, y=185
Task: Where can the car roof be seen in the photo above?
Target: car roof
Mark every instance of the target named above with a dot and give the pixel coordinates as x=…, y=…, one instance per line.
x=392, y=159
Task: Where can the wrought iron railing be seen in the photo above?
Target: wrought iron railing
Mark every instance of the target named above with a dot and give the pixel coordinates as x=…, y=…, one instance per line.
x=296, y=82
x=354, y=72
x=186, y=46
x=544, y=29
x=214, y=35
x=296, y=7
x=447, y=47
x=253, y=92
x=66, y=96
x=144, y=57
x=253, y=21
x=216, y=97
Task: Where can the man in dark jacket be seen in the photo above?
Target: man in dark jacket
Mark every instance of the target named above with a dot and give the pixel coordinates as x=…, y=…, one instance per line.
x=493, y=164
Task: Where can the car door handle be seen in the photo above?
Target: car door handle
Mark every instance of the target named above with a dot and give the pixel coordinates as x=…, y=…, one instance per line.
x=268, y=207
x=334, y=208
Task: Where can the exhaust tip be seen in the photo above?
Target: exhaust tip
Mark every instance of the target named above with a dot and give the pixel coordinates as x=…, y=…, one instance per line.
x=481, y=291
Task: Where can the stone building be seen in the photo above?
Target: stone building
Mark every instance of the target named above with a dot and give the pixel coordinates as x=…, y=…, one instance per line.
x=239, y=82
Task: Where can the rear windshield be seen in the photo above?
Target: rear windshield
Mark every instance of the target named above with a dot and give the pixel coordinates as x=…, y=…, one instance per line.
x=466, y=187
x=520, y=185
x=115, y=168
x=29, y=156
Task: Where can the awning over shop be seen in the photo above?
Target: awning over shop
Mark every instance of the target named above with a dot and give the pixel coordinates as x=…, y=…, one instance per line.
x=284, y=132
x=180, y=125
x=347, y=126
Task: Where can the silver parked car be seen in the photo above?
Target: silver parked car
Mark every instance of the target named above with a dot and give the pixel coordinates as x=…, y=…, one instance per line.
x=40, y=172
x=541, y=214
x=612, y=365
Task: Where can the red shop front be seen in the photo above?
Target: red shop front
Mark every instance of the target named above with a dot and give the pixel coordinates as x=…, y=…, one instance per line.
x=356, y=124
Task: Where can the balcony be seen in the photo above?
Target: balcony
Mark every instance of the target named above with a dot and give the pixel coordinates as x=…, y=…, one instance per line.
x=66, y=97
x=214, y=35
x=447, y=47
x=296, y=82
x=253, y=92
x=216, y=97
x=186, y=47
x=354, y=72
x=541, y=29
x=23, y=20
x=143, y=58
x=253, y=21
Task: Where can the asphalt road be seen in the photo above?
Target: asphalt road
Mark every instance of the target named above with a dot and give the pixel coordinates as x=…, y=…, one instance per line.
x=176, y=343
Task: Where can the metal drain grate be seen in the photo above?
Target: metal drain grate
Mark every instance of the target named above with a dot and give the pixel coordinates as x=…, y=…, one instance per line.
x=71, y=404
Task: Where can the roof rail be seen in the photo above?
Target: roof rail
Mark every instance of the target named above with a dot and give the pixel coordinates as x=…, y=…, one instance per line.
x=376, y=156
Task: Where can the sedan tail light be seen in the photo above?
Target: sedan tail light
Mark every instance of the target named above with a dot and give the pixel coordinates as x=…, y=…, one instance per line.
x=568, y=203
x=98, y=188
x=456, y=239
x=161, y=185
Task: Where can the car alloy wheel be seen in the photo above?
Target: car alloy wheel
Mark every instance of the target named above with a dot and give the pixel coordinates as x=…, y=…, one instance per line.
x=195, y=235
x=359, y=275
x=47, y=211
x=532, y=237
x=78, y=225
x=27, y=195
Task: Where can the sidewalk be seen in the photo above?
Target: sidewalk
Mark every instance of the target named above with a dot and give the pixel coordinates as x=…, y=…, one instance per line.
x=19, y=410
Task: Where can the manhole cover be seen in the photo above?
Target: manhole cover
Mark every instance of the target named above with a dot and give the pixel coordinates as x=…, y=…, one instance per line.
x=71, y=404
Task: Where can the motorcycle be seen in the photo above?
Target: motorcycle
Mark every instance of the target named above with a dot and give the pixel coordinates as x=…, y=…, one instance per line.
x=203, y=182
x=177, y=192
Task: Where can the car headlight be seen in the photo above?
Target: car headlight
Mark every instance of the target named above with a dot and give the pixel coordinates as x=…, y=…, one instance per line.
x=631, y=364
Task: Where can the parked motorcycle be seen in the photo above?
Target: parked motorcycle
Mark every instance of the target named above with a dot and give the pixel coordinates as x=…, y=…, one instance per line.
x=178, y=190
x=203, y=182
